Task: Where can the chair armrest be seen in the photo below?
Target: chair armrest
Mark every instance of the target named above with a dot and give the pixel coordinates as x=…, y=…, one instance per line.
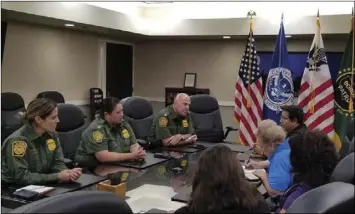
x=228, y=129
x=69, y=163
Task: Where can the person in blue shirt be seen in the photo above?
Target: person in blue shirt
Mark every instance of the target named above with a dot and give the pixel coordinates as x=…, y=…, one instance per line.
x=278, y=177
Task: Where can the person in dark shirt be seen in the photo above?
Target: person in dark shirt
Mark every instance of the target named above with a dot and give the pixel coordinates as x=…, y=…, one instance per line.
x=219, y=186
x=292, y=120
x=313, y=159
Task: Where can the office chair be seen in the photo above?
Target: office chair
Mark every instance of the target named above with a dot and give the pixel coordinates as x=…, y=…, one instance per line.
x=70, y=127
x=336, y=197
x=344, y=170
x=11, y=105
x=78, y=202
x=207, y=120
x=53, y=95
x=138, y=112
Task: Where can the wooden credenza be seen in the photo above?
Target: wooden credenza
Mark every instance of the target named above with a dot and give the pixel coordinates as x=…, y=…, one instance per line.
x=170, y=93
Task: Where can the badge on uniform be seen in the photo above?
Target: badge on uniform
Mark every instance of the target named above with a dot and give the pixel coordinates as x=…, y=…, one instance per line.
x=161, y=170
x=51, y=145
x=19, y=148
x=185, y=124
x=97, y=136
x=125, y=134
x=163, y=122
x=124, y=176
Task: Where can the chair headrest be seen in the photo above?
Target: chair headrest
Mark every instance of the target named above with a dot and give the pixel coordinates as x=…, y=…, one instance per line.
x=137, y=108
x=11, y=101
x=53, y=95
x=350, y=131
x=344, y=170
x=78, y=202
x=70, y=117
x=337, y=197
x=203, y=104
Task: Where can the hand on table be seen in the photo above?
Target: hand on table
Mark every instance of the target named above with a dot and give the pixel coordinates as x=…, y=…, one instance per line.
x=139, y=153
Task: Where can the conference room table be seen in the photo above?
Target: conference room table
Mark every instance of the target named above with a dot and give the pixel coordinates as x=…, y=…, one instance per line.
x=155, y=186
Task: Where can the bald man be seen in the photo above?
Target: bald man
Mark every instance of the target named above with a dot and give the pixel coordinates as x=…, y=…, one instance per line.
x=172, y=125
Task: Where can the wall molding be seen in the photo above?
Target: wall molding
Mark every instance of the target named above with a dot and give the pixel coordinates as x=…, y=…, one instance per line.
x=74, y=102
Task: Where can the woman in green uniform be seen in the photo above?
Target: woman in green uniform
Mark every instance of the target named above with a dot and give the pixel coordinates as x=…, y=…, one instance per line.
x=33, y=154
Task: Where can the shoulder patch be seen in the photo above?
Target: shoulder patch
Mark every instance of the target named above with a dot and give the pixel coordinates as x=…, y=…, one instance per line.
x=18, y=148
x=163, y=122
x=97, y=136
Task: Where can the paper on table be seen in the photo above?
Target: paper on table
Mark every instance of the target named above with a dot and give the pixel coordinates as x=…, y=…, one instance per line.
x=249, y=173
x=38, y=189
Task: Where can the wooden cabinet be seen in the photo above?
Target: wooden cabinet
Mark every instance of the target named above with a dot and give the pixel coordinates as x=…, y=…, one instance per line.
x=170, y=93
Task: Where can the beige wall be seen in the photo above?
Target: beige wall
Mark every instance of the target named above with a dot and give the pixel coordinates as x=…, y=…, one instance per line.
x=37, y=59
x=160, y=64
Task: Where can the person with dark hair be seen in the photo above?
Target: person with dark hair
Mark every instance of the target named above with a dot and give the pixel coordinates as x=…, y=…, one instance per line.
x=313, y=159
x=292, y=120
x=108, y=138
x=219, y=186
x=33, y=154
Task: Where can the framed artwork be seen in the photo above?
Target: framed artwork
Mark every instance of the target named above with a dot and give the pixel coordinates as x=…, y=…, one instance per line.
x=190, y=80
x=170, y=93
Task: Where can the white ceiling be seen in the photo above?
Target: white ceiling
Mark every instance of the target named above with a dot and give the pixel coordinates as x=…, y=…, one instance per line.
x=218, y=10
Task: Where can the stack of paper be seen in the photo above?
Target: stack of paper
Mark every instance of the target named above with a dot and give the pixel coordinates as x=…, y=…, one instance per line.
x=249, y=173
x=38, y=189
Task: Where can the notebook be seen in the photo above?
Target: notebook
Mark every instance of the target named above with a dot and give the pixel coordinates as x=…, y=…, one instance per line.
x=38, y=189
x=249, y=173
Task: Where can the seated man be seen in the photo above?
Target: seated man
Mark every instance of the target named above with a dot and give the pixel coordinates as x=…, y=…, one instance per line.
x=172, y=125
x=108, y=138
x=292, y=120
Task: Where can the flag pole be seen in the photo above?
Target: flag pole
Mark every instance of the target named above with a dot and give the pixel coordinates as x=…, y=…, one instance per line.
x=314, y=64
x=351, y=107
x=250, y=14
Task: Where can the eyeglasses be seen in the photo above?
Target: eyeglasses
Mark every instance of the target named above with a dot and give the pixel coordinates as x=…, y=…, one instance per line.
x=284, y=118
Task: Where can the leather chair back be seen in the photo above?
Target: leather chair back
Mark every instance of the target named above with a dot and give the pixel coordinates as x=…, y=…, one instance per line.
x=344, y=170
x=337, y=197
x=53, y=95
x=70, y=127
x=11, y=105
x=206, y=118
x=138, y=112
x=78, y=202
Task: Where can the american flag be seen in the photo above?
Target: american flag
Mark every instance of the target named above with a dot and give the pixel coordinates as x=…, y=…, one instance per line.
x=317, y=92
x=248, y=94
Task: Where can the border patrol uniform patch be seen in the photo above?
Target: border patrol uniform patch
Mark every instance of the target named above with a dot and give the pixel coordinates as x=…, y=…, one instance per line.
x=163, y=122
x=97, y=136
x=19, y=148
x=125, y=134
x=185, y=124
x=51, y=145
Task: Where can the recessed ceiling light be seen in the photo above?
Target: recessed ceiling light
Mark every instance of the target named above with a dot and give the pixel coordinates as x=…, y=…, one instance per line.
x=226, y=37
x=69, y=25
x=288, y=36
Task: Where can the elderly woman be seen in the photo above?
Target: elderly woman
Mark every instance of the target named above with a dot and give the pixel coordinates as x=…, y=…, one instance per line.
x=278, y=177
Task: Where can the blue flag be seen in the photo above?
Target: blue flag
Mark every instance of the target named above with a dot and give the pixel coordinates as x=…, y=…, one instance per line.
x=279, y=85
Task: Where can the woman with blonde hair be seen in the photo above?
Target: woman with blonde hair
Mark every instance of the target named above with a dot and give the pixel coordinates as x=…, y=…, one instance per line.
x=278, y=177
x=33, y=154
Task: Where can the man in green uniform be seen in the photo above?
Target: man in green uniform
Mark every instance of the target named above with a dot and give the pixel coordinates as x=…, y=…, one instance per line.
x=173, y=125
x=108, y=138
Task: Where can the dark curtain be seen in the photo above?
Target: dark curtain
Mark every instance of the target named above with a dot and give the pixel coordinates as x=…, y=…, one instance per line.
x=298, y=63
x=3, y=36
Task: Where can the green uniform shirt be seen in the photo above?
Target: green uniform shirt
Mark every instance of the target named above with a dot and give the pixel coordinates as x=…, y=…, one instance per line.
x=167, y=123
x=28, y=158
x=100, y=136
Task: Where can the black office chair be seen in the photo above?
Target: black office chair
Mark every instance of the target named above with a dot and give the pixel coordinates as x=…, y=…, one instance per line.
x=207, y=120
x=334, y=197
x=344, y=170
x=78, y=202
x=11, y=105
x=348, y=142
x=70, y=127
x=53, y=95
x=138, y=112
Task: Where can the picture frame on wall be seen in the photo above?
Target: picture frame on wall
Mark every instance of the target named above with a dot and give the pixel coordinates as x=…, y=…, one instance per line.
x=190, y=80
